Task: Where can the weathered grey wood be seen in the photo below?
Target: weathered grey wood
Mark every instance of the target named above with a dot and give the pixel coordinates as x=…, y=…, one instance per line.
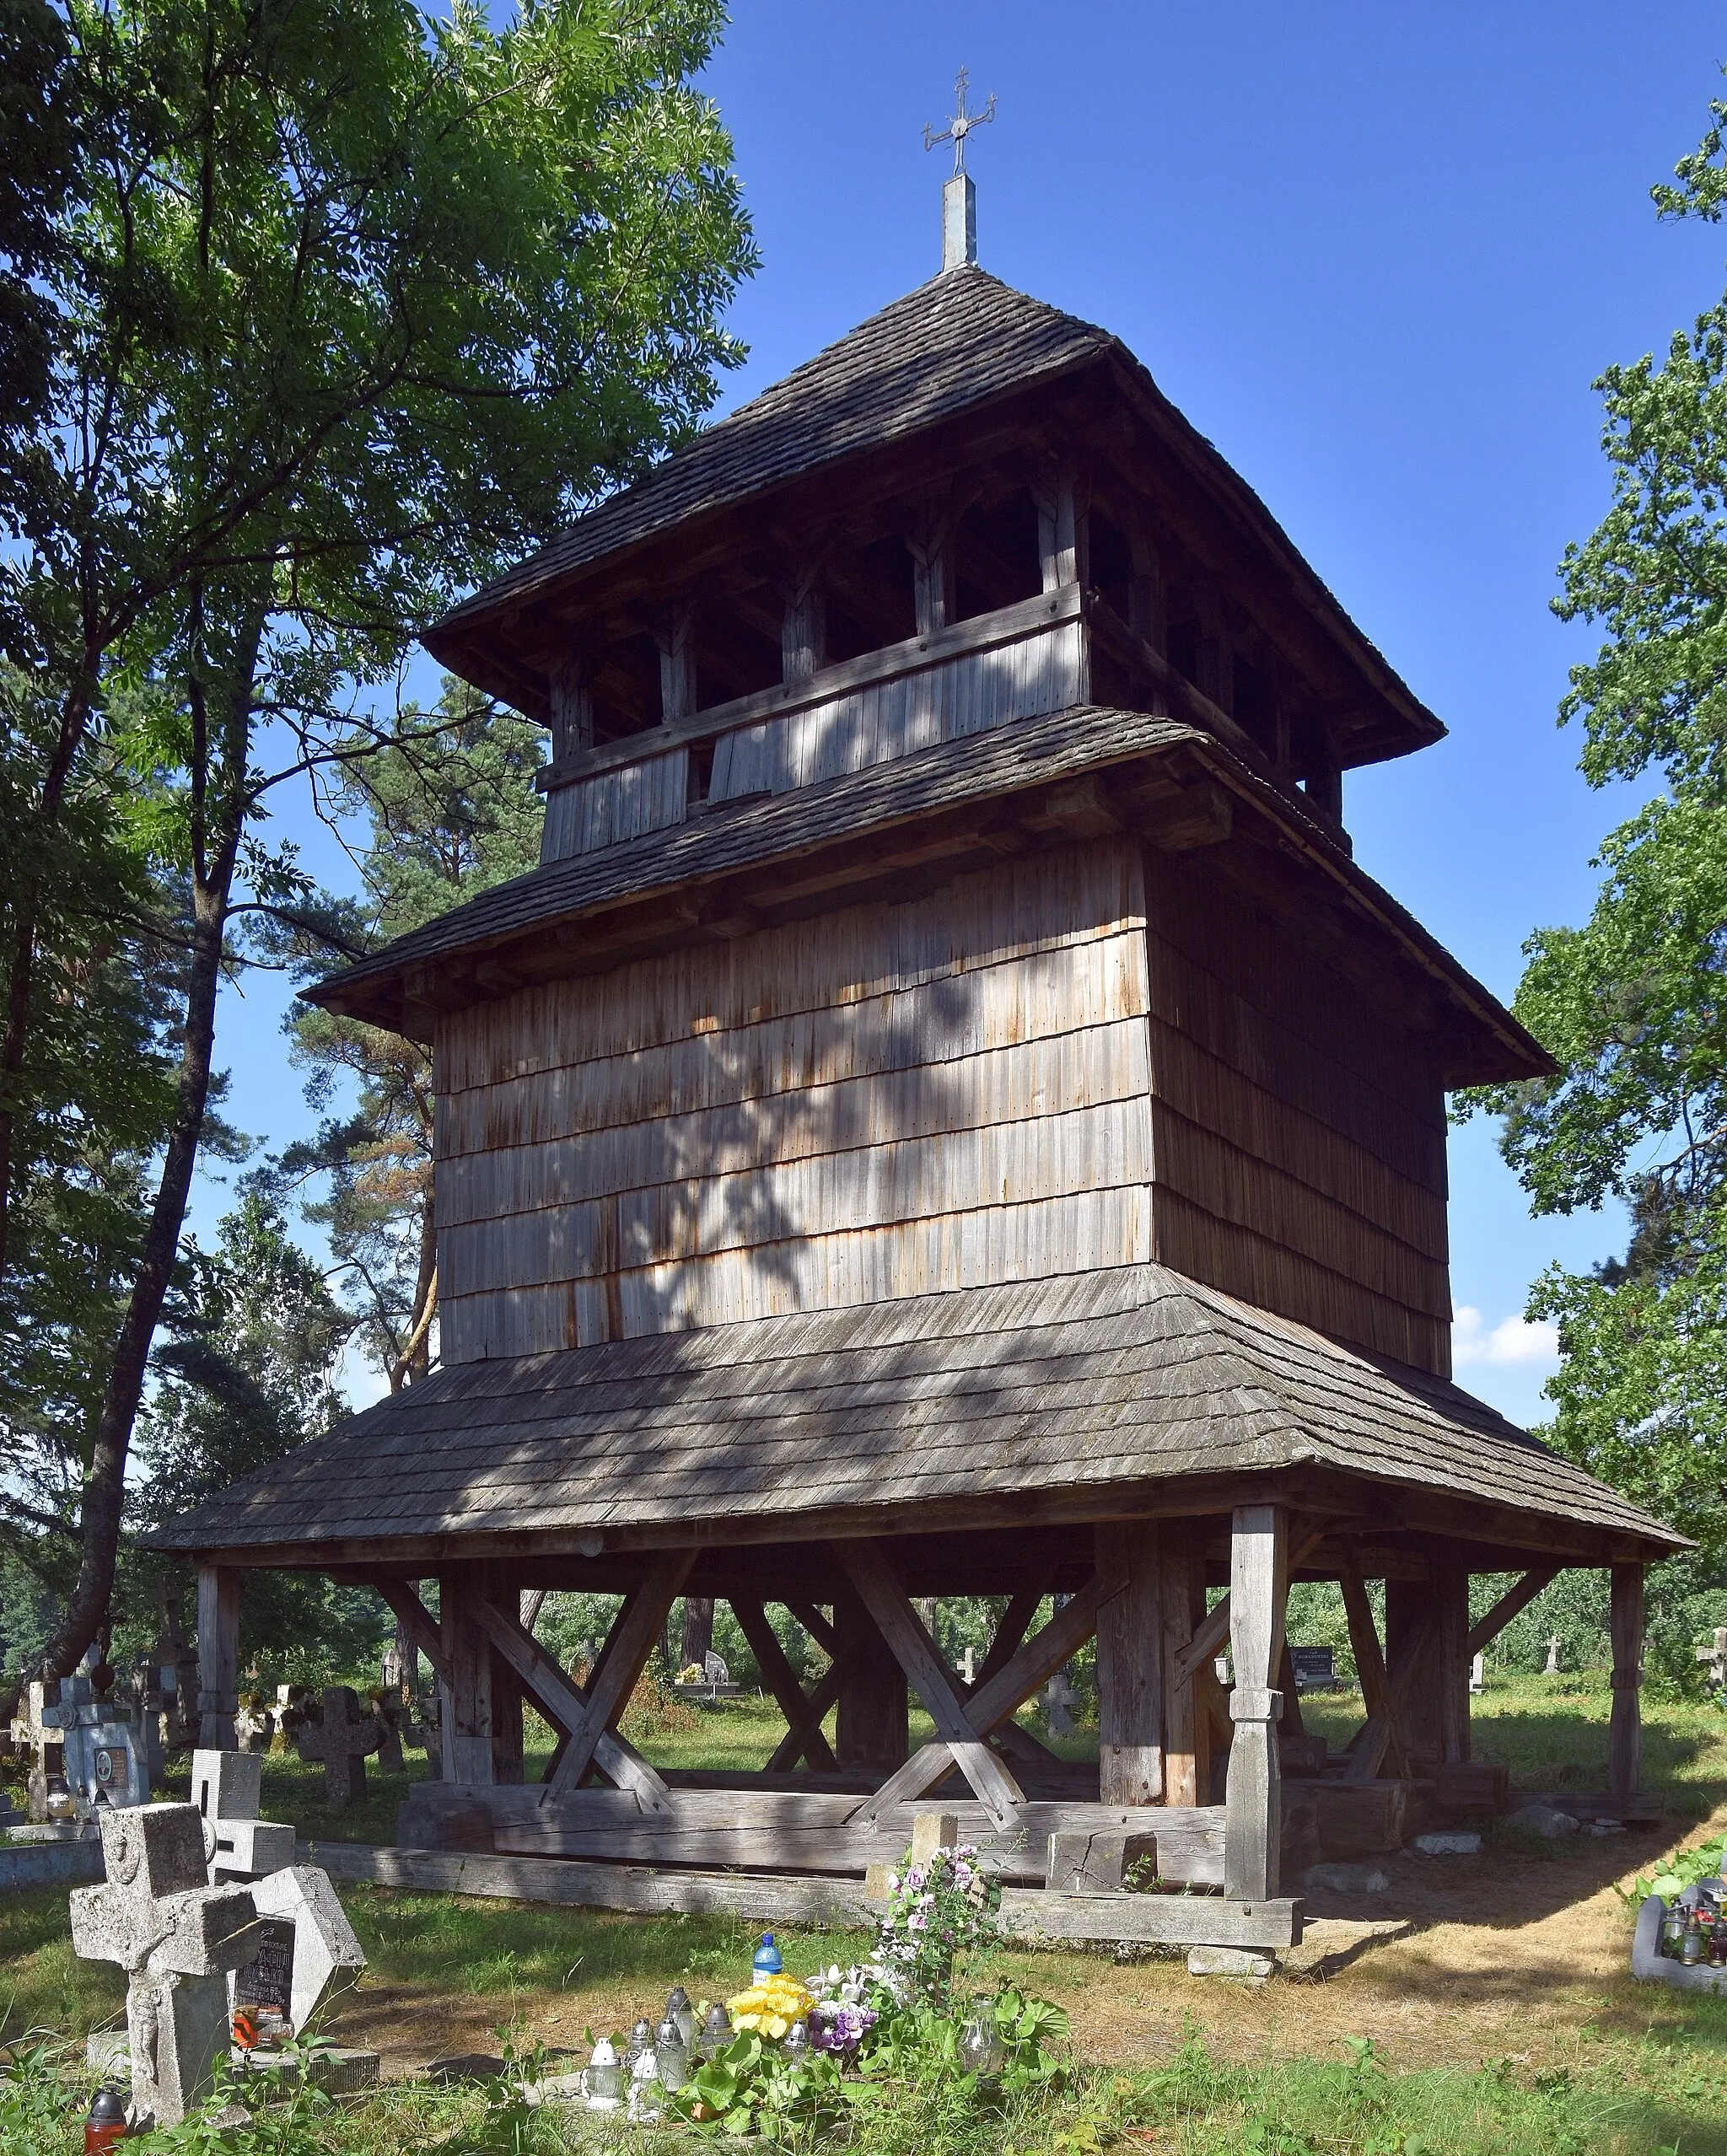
x=1208, y=1636
x=1291, y=1724
x=801, y=1722
x=564, y=1706
x=1369, y=1661
x=1150, y=1919
x=416, y=1621
x=1131, y=1918
x=218, y=1656
x=993, y=1703
x=1129, y=1665
x=882, y=1595
x=1625, y=1729
x=1016, y=1622
x=818, y=1627
x=467, y=1734
x=1511, y=1604
x=630, y=1643
x=1029, y=617
x=790, y=1748
x=871, y=1715
x=1186, y=1727
x=1365, y=1752
x=1451, y=1588
x=1095, y=1861
x=1258, y=1578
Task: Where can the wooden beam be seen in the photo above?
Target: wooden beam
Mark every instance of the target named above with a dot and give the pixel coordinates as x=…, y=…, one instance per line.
x=818, y=1627
x=564, y=1705
x=782, y=1683
x=1186, y=1725
x=1369, y=1661
x=218, y=1656
x=1259, y=1545
x=789, y=1749
x=1625, y=1729
x=417, y=1622
x=1209, y=1637
x=1010, y=1632
x=628, y=1646
x=935, y=1684
x=995, y=1702
x=1130, y=1666
x=1511, y=1604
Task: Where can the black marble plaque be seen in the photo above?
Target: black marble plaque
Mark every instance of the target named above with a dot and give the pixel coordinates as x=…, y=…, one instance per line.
x=268, y=1981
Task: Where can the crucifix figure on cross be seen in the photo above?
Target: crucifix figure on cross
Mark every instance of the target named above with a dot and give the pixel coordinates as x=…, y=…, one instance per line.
x=961, y=124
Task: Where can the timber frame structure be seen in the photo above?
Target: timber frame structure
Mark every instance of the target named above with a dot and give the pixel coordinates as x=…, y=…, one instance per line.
x=948, y=1117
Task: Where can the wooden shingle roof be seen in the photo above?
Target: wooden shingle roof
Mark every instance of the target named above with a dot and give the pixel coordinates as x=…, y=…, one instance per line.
x=958, y=341
x=894, y=1416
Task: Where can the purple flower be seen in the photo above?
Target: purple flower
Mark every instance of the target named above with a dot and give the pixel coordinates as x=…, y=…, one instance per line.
x=846, y=2030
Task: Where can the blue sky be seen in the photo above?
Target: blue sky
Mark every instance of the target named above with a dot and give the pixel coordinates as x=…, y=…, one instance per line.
x=1378, y=254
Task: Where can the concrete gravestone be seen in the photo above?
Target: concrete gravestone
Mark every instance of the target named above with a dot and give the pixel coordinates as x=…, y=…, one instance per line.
x=177, y=1939
x=226, y=1791
x=1059, y=1698
x=88, y=1741
x=323, y=1959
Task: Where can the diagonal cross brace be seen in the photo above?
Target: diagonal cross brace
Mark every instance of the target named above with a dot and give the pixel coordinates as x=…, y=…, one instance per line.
x=622, y=1662
x=565, y=1706
x=803, y=1724
x=993, y=1701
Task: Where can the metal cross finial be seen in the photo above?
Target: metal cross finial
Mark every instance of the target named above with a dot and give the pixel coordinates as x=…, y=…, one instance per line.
x=961, y=124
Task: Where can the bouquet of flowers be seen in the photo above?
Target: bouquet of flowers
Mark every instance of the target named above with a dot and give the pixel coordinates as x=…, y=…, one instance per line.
x=937, y=1912
x=770, y=2006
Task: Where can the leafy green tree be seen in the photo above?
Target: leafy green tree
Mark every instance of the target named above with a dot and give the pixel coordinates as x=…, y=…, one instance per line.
x=449, y=815
x=245, y=1374
x=355, y=305
x=1631, y=1003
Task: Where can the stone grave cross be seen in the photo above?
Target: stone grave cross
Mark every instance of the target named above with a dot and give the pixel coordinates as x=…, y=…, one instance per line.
x=176, y=1938
x=1058, y=1697
x=1553, y=1667
x=341, y=1740
x=227, y=1791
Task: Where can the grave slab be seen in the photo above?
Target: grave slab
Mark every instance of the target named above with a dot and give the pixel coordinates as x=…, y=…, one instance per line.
x=327, y=1958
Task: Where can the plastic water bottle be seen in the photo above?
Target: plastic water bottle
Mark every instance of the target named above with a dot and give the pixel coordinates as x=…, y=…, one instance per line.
x=768, y=1961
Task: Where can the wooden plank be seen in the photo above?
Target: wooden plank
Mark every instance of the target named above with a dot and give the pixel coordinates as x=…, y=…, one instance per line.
x=564, y=1706
x=632, y=1642
x=1187, y=1730
x=1511, y=1604
x=1129, y=1665
x=1370, y=1661
x=871, y=1575
x=466, y=1727
x=1134, y=1918
x=803, y=1722
x=1258, y=1579
x=1625, y=1728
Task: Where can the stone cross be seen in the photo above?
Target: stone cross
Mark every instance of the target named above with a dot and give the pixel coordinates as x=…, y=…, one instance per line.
x=341, y=1740
x=90, y=1741
x=968, y=1667
x=227, y=1790
x=1478, y=1674
x=176, y=1938
x=1553, y=1667
x=1058, y=1696
x=1716, y=1658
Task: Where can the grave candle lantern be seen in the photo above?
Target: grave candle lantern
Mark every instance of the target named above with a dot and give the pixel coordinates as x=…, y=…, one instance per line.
x=641, y=2040
x=680, y=2010
x=672, y=2053
x=603, y=2079
x=981, y=2049
x=716, y=2030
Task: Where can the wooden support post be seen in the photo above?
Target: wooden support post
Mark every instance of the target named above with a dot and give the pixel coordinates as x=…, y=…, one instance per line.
x=1061, y=522
x=628, y=1647
x=467, y=1682
x=508, y=1766
x=677, y=668
x=1291, y=1724
x=218, y=1656
x=1625, y=1731
x=1186, y=1727
x=782, y=1680
x=871, y=1729
x=1412, y=1662
x=570, y=696
x=1451, y=1663
x=1129, y=1667
x=1253, y=1814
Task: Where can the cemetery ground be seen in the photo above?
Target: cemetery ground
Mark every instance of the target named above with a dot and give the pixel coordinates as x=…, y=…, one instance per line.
x=1503, y=2019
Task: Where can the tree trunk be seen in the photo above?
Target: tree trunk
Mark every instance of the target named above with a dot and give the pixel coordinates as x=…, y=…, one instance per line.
x=219, y=825
x=699, y=1630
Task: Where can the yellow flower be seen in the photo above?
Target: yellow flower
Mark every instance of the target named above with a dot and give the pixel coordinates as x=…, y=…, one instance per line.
x=776, y=2024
